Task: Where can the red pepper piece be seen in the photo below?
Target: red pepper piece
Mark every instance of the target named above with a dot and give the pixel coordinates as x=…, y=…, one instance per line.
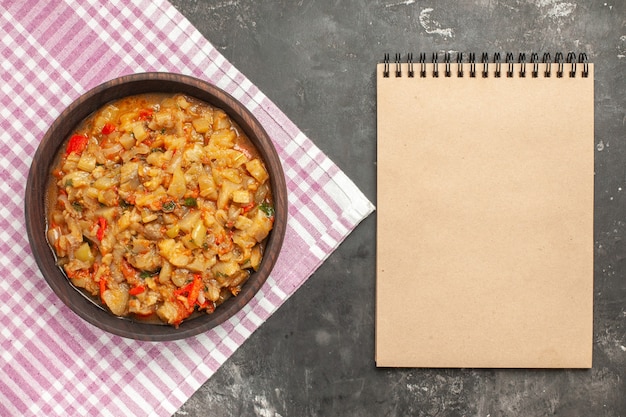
x=191, y=290
x=102, y=222
x=103, y=288
x=196, y=285
x=145, y=114
x=129, y=272
x=77, y=143
x=247, y=208
x=137, y=290
x=184, y=290
x=208, y=305
x=108, y=128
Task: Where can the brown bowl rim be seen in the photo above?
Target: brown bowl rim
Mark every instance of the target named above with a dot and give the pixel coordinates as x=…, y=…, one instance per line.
x=39, y=173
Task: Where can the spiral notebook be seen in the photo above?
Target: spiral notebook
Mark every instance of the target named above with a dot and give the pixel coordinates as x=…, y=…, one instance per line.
x=485, y=178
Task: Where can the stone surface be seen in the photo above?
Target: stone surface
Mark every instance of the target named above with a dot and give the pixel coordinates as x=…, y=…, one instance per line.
x=316, y=60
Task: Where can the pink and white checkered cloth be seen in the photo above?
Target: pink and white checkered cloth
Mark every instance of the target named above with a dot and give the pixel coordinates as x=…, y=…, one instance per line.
x=53, y=363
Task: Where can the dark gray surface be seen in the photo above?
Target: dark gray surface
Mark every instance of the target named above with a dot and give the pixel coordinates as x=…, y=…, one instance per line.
x=316, y=60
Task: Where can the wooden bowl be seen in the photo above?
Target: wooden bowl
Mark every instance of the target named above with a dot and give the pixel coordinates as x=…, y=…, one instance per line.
x=40, y=174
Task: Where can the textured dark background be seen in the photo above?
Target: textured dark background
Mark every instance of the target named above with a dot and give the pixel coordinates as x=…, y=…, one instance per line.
x=316, y=61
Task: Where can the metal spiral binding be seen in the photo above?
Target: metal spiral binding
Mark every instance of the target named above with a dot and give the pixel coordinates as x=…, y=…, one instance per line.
x=546, y=60
x=509, y=60
x=398, y=66
x=522, y=61
x=571, y=60
x=386, y=66
x=534, y=59
x=558, y=59
x=485, y=60
x=496, y=60
x=582, y=59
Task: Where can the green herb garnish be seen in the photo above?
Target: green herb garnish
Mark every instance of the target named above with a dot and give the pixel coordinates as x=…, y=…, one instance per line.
x=148, y=274
x=190, y=202
x=169, y=206
x=267, y=209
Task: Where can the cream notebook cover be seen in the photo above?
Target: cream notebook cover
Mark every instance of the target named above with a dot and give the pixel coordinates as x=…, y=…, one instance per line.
x=485, y=212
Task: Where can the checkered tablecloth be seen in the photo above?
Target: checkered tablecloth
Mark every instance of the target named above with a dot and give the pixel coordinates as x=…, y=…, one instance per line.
x=54, y=363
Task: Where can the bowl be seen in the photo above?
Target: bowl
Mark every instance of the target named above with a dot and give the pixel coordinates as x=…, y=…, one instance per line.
x=40, y=172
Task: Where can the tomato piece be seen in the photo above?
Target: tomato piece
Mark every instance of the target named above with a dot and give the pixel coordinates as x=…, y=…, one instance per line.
x=145, y=114
x=102, y=222
x=108, y=128
x=184, y=290
x=77, y=143
x=196, y=285
x=137, y=290
x=128, y=271
x=103, y=288
x=247, y=208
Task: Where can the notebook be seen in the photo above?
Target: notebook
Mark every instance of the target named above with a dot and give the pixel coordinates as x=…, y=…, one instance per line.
x=485, y=180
